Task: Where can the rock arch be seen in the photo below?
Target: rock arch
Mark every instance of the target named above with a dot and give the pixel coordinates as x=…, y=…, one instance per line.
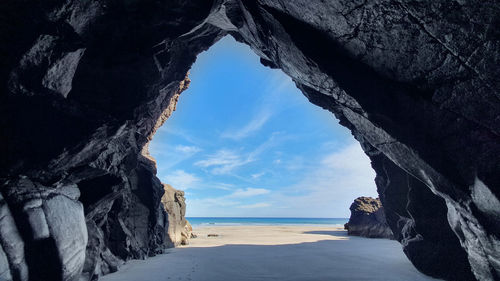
x=86, y=84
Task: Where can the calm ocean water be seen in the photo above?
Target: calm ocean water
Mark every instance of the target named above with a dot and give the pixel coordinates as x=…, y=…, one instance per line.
x=221, y=221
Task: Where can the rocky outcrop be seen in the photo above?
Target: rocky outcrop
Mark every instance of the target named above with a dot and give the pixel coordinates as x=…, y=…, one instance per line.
x=368, y=219
x=85, y=84
x=178, y=229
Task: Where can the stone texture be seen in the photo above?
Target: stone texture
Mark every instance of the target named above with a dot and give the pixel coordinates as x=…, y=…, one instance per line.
x=13, y=264
x=368, y=219
x=418, y=218
x=178, y=230
x=85, y=84
x=48, y=227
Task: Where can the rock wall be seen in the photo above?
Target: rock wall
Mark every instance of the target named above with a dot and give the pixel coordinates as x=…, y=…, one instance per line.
x=178, y=230
x=418, y=219
x=85, y=84
x=368, y=219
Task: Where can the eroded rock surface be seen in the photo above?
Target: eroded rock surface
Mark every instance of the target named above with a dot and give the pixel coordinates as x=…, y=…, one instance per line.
x=368, y=219
x=179, y=229
x=85, y=84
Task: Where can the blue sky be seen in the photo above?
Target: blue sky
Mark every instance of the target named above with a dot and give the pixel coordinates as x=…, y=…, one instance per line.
x=244, y=141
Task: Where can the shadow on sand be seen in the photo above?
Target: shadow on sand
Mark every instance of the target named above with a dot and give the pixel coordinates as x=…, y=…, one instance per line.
x=324, y=260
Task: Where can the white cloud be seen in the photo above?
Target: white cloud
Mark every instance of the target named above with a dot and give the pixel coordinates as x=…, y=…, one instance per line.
x=186, y=149
x=326, y=187
x=168, y=157
x=221, y=157
x=225, y=205
x=210, y=203
x=256, y=205
x=223, y=161
x=179, y=179
x=254, y=125
x=296, y=163
x=271, y=103
x=168, y=129
x=351, y=159
x=248, y=192
x=157, y=149
x=257, y=175
x=272, y=141
x=222, y=186
x=329, y=187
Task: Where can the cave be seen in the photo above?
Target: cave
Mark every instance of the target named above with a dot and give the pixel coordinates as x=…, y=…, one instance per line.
x=85, y=85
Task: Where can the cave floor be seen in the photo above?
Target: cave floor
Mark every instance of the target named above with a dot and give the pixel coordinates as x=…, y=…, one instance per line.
x=274, y=253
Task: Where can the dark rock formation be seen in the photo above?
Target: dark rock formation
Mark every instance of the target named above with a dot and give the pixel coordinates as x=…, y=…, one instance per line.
x=368, y=219
x=85, y=84
x=179, y=229
x=419, y=220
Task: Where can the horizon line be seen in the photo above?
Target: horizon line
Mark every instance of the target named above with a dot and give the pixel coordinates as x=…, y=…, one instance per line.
x=271, y=217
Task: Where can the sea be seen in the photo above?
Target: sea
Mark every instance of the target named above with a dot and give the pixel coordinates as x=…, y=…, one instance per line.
x=234, y=221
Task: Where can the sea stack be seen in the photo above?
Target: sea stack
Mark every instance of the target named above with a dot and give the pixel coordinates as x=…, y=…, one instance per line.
x=179, y=229
x=368, y=219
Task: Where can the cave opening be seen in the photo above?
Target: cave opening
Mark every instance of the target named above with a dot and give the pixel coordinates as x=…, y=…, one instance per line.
x=245, y=142
x=245, y=147
x=248, y=148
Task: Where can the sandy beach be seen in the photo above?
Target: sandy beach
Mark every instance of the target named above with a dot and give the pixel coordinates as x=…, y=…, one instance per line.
x=244, y=253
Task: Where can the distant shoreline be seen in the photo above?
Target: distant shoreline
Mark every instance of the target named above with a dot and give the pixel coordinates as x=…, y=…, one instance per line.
x=198, y=222
x=268, y=217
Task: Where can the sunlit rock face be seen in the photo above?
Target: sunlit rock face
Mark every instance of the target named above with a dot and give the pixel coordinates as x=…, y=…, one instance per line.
x=178, y=228
x=368, y=219
x=85, y=84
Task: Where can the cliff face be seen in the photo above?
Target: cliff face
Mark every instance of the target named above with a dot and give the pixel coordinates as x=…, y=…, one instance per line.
x=85, y=84
x=178, y=229
x=368, y=219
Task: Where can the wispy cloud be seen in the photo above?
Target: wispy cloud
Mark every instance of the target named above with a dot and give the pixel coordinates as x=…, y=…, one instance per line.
x=248, y=192
x=209, y=203
x=168, y=157
x=223, y=161
x=230, y=200
x=270, y=104
x=327, y=188
x=296, y=163
x=182, y=133
x=221, y=157
x=277, y=86
x=331, y=185
x=180, y=179
x=257, y=175
x=256, y=205
x=221, y=186
x=254, y=125
x=186, y=149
